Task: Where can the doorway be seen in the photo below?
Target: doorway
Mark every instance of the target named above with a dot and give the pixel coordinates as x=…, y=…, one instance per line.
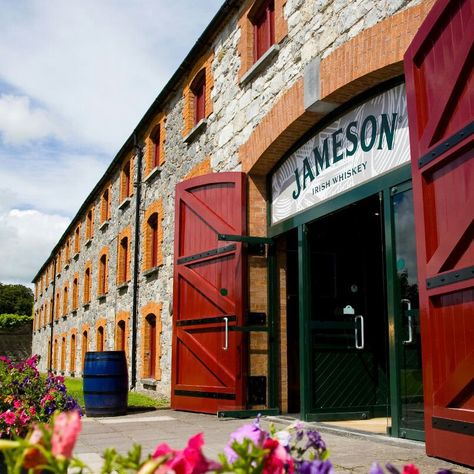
x=359, y=263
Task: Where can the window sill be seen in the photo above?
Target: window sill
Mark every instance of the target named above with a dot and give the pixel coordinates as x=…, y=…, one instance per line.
x=122, y=286
x=88, y=242
x=154, y=172
x=125, y=203
x=261, y=64
x=151, y=271
x=64, y=316
x=76, y=256
x=86, y=306
x=74, y=312
x=104, y=225
x=102, y=297
x=197, y=130
x=66, y=266
x=58, y=275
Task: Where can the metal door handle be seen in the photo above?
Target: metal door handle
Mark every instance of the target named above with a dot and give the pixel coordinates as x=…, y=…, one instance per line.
x=410, y=322
x=226, y=333
x=356, y=332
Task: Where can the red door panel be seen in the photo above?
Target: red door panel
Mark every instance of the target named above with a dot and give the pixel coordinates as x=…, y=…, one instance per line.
x=440, y=93
x=208, y=299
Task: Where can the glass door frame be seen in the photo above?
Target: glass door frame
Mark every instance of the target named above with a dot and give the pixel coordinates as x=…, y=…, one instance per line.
x=395, y=317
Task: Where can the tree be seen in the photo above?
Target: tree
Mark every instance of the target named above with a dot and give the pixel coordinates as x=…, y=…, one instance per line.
x=16, y=299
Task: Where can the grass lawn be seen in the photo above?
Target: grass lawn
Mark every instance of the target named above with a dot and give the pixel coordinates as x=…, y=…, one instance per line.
x=135, y=400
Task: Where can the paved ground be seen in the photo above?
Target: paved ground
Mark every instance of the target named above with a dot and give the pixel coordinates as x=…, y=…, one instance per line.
x=350, y=452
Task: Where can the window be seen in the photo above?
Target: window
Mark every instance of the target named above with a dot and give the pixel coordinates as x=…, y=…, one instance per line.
x=75, y=293
x=123, y=257
x=72, y=358
x=65, y=300
x=120, y=336
x=77, y=239
x=67, y=256
x=263, y=21
x=51, y=311
x=102, y=286
x=57, y=308
x=156, y=152
x=198, y=89
x=55, y=354
x=126, y=181
x=48, y=360
x=46, y=314
x=63, y=354
x=105, y=205
x=150, y=347
x=100, y=338
x=87, y=285
x=90, y=224
x=58, y=263
x=85, y=346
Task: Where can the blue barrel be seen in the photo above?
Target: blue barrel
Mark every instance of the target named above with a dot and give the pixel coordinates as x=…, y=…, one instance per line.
x=105, y=382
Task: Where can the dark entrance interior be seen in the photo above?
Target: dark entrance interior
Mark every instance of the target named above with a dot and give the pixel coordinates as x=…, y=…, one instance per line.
x=348, y=324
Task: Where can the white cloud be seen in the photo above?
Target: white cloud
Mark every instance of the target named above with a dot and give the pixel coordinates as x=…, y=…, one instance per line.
x=19, y=122
x=98, y=65
x=27, y=238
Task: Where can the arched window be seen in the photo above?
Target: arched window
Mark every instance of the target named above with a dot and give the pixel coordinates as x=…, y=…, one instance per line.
x=63, y=354
x=77, y=239
x=58, y=306
x=105, y=206
x=263, y=21
x=156, y=140
x=198, y=89
x=48, y=362
x=72, y=359
x=103, y=271
x=75, y=294
x=150, y=346
x=123, y=260
x=85, y=347
x=152, y=240
x=87, y=285
x=120, y=336
x=65, y=301
x=100, y=338
x=90, y=224
x=55, y=354
x=126, y=181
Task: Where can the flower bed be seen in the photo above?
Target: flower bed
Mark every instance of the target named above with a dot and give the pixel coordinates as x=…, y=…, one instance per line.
x=26, y=397
x=49, y=448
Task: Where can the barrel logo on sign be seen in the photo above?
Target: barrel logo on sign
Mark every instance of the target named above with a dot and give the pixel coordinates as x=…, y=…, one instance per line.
x=105, y=381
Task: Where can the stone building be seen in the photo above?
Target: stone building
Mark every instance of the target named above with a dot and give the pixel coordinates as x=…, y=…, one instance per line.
x=242, y=245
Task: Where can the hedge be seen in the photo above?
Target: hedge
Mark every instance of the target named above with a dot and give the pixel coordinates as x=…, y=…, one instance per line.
x=13, y=321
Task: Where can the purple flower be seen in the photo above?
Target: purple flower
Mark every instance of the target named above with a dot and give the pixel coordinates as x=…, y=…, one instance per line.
x=445, y=471
x=375, y=468
x=251, y=432
x=314, y=467
x=315, y=441
x=392, y=469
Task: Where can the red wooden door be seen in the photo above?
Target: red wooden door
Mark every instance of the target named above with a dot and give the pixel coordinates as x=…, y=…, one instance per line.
x=208, y=293
x=440, y=94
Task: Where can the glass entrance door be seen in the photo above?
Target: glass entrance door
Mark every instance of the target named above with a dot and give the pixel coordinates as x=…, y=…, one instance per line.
x=410, y=384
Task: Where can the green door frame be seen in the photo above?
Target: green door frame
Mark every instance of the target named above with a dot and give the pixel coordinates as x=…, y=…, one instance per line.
x=383, y=185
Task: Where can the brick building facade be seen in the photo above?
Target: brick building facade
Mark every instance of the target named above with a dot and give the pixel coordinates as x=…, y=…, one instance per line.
x=262, y=76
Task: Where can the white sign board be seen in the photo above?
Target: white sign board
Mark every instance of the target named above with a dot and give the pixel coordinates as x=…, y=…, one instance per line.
x=360, y=146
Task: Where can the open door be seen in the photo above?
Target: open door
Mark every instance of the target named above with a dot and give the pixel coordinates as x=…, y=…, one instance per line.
x=208, y=294
x=440, y=95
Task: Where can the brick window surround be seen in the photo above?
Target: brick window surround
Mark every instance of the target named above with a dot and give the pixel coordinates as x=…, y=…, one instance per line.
x=122, y=331
x=57, y=309
x=55, y=353
x=201, y=70
x=67, y=251
x=73, y=348
x=100, y=331
x=75, y=292
x=152, y=229
x=63, y=352
x=77, y=239
x=255, y=20
x=90, y=223
x=105, y=201
x=84, y=343
x=155, y=144
x=124, y=255
x=126, y=180
x=87, y=282
x=65, y=299
x=103, y=273
x=151, y=328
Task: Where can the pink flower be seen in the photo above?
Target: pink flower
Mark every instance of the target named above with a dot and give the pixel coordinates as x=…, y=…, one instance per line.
x=277, y=461
x=190, y=460
x=17, y=404
x=9, y=417
x=32, y=411
x=67, y=426
x=410, y=469
x=24, y=418
x=33, y=456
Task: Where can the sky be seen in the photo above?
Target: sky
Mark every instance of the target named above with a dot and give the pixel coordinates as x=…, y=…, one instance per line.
x=75, y=79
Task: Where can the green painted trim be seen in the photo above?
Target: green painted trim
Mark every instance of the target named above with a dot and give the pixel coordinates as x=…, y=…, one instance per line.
x=392, y=314
x=272, y=276
x=304, y=317
x=416, y=435
x=247, y=413
x=343, y=200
